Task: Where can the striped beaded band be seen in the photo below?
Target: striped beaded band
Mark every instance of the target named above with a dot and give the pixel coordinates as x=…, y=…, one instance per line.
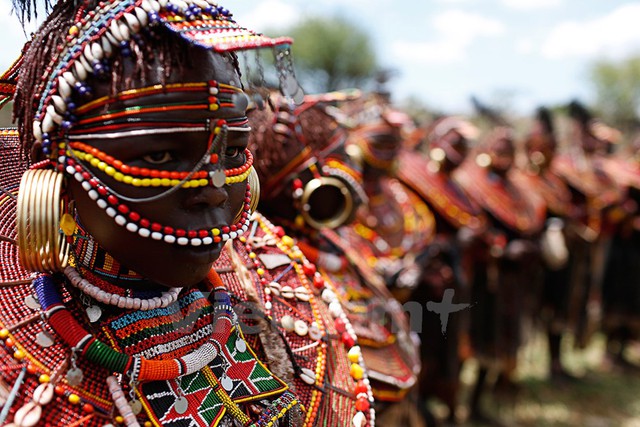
x=70, y=330
x=111, y=27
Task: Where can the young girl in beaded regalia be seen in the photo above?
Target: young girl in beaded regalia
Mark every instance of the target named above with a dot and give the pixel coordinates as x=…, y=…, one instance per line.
x=129, y=177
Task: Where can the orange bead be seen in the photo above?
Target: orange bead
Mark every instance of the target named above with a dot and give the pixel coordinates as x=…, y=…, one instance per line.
x=9, y=342
x=31, y=369
x=88, y=408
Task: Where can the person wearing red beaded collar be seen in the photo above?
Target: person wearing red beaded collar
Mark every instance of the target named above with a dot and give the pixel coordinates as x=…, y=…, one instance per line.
x=137, y=106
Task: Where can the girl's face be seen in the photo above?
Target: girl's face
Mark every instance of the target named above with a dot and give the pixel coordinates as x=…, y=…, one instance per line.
x=502, y=155
x=205, y=207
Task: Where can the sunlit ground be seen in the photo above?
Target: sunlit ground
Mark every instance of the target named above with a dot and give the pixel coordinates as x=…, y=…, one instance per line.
x=605, y=397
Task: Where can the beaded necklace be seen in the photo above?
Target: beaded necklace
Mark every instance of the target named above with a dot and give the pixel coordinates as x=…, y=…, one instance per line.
x=292, y=298
x=502, y=199
x=138, y=368
x=440, y=191
x=549, y=186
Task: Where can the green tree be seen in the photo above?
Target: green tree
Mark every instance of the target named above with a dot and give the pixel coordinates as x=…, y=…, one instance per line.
x=617, y=88
x=331, y=54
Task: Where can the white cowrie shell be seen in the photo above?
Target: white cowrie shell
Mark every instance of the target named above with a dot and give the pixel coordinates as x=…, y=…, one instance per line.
x=142, y=16
x=47, y=123
x=124, y=30
x=37, y=130
x=51, y=110
x=114, y=28
x=288, y=324
x=163, y=3
x=314, y=332
x=111, y=39
x=359, y=420
x=275, y=288
x=87, y=53
x=28, y=415
x=70, y=78
x=308, y=376
x=132, y=22
x=335, y=309
x=80, y=71
x=200, y=3
x=300, y=327
x=328, y=296
x=287, y=292
x=155, y=5
x=43, y=394
x=96, y=51
x=87, y=66
x=146, y=6
x=59, y=104
x=302, y=293
x=64, y=88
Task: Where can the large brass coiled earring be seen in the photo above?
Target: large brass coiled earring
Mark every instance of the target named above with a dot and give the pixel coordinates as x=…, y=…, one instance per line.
x=42, y=245
x=254, y=187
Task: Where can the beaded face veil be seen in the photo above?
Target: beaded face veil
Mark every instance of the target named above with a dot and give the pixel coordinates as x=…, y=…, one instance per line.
x=69, y=123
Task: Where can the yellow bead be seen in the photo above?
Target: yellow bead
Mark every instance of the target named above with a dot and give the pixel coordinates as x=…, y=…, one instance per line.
x=110, y=170
x=102, y=166
x=19, y=355
x=136, y=182
x=356, y=371
x=148, y=424
x=119, y=176
x=146, y=182
x=354, y=354
x=174, y=182
x=4, y=333
x=213, y=107
x=127, y=179
x=252, y=255
x=260, y=271
x=287, y=241
x=94, y=162
x=119, y=419
x=155, y=182
x=186, y=184
x=299, y=221
x=74, y=399
x=166, y=182
x=215, y=231
x=243, y=239
x=203, y=182
x=44, y=378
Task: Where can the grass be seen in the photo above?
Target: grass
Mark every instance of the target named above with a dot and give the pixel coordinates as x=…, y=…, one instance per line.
x=604, y=397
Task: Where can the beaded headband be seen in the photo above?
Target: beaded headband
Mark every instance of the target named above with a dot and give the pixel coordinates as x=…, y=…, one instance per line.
x=112, y=25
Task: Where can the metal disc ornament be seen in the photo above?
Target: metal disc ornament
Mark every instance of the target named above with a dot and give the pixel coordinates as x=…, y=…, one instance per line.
x=181, y=405
x=218, y=177
x=227, y=383
x=241, y=346
x=74, y=376
x=31, y=302
x=136, y=406
x=44, y=339
x=94, y=313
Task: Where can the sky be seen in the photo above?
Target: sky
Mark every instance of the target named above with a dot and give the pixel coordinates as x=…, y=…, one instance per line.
x=522, y=53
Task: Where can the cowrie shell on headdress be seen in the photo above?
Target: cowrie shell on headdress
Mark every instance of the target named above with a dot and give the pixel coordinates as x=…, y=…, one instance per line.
x=59, y=103
x=37, y=130
x=47, y=123
x=87, y=53
x=132, y=22
x=70, y=78
x=80, y=71
x=142, y=16
x=114, y=28
x=96, y=51
x=124, y=31
x=51, y=111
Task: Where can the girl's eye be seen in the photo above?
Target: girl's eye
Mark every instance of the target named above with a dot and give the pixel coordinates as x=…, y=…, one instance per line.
x=158, y=157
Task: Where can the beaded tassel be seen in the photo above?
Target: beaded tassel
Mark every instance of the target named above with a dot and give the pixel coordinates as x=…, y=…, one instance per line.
x=120, y=400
